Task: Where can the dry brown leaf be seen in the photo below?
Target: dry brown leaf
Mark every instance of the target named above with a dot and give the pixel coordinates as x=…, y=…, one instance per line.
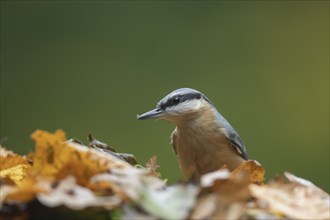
x=253, y=169
x=308, y=184
x=230, y=187
x=129, y=158
x=107, y=149
x=153, y=166
x=231, y=191
x=205, y=207
x=293, y=199
x=67, y=192
x=235, y=189
x=232, y=196
x=98, y=144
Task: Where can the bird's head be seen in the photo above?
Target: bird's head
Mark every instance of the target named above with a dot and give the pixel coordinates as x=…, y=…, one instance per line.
x=180, y=105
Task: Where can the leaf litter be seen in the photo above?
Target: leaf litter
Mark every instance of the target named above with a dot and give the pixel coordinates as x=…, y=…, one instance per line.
x=65, y=176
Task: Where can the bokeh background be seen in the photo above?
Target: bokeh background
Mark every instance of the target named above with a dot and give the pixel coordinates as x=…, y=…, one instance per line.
x=92, y=66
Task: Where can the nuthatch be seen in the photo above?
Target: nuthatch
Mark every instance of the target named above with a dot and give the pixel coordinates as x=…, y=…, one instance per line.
x=203, y=139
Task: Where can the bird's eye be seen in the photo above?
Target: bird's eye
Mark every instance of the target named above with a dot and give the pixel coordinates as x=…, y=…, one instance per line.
x=176, y=100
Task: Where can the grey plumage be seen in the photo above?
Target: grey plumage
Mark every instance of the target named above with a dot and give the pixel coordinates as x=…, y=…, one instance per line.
x=233, y=137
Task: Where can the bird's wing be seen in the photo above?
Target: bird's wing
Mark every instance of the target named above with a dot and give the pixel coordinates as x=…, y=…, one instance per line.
x=232, y=136
x=173, y=139
x=237, y=143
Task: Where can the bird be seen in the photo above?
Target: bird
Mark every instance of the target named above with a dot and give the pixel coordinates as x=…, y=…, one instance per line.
x=203, y=139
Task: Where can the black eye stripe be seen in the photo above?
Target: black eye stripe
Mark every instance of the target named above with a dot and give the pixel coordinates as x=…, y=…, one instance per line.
x=171, y=102
x=177, y=99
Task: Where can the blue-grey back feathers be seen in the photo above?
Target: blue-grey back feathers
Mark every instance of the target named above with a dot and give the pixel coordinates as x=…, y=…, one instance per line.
x=233, y=137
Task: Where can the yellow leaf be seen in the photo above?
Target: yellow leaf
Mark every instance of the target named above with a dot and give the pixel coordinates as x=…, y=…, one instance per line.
x=15, y=173
x=12, y=166
x=49, y=155
x=253, y=169
x=58, y=158
x=28, y=189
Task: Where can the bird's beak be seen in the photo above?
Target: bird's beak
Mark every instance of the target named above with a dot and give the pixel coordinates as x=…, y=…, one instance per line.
x=155, y=113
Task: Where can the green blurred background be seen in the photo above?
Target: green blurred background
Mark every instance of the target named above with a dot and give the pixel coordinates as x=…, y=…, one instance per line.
x=86, y=66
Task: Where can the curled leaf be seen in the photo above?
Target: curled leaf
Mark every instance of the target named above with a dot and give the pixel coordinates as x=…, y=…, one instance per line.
x=153, y=166
x=129, y=158
x=98, y=144
x=253, y=169
x=107, y=149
